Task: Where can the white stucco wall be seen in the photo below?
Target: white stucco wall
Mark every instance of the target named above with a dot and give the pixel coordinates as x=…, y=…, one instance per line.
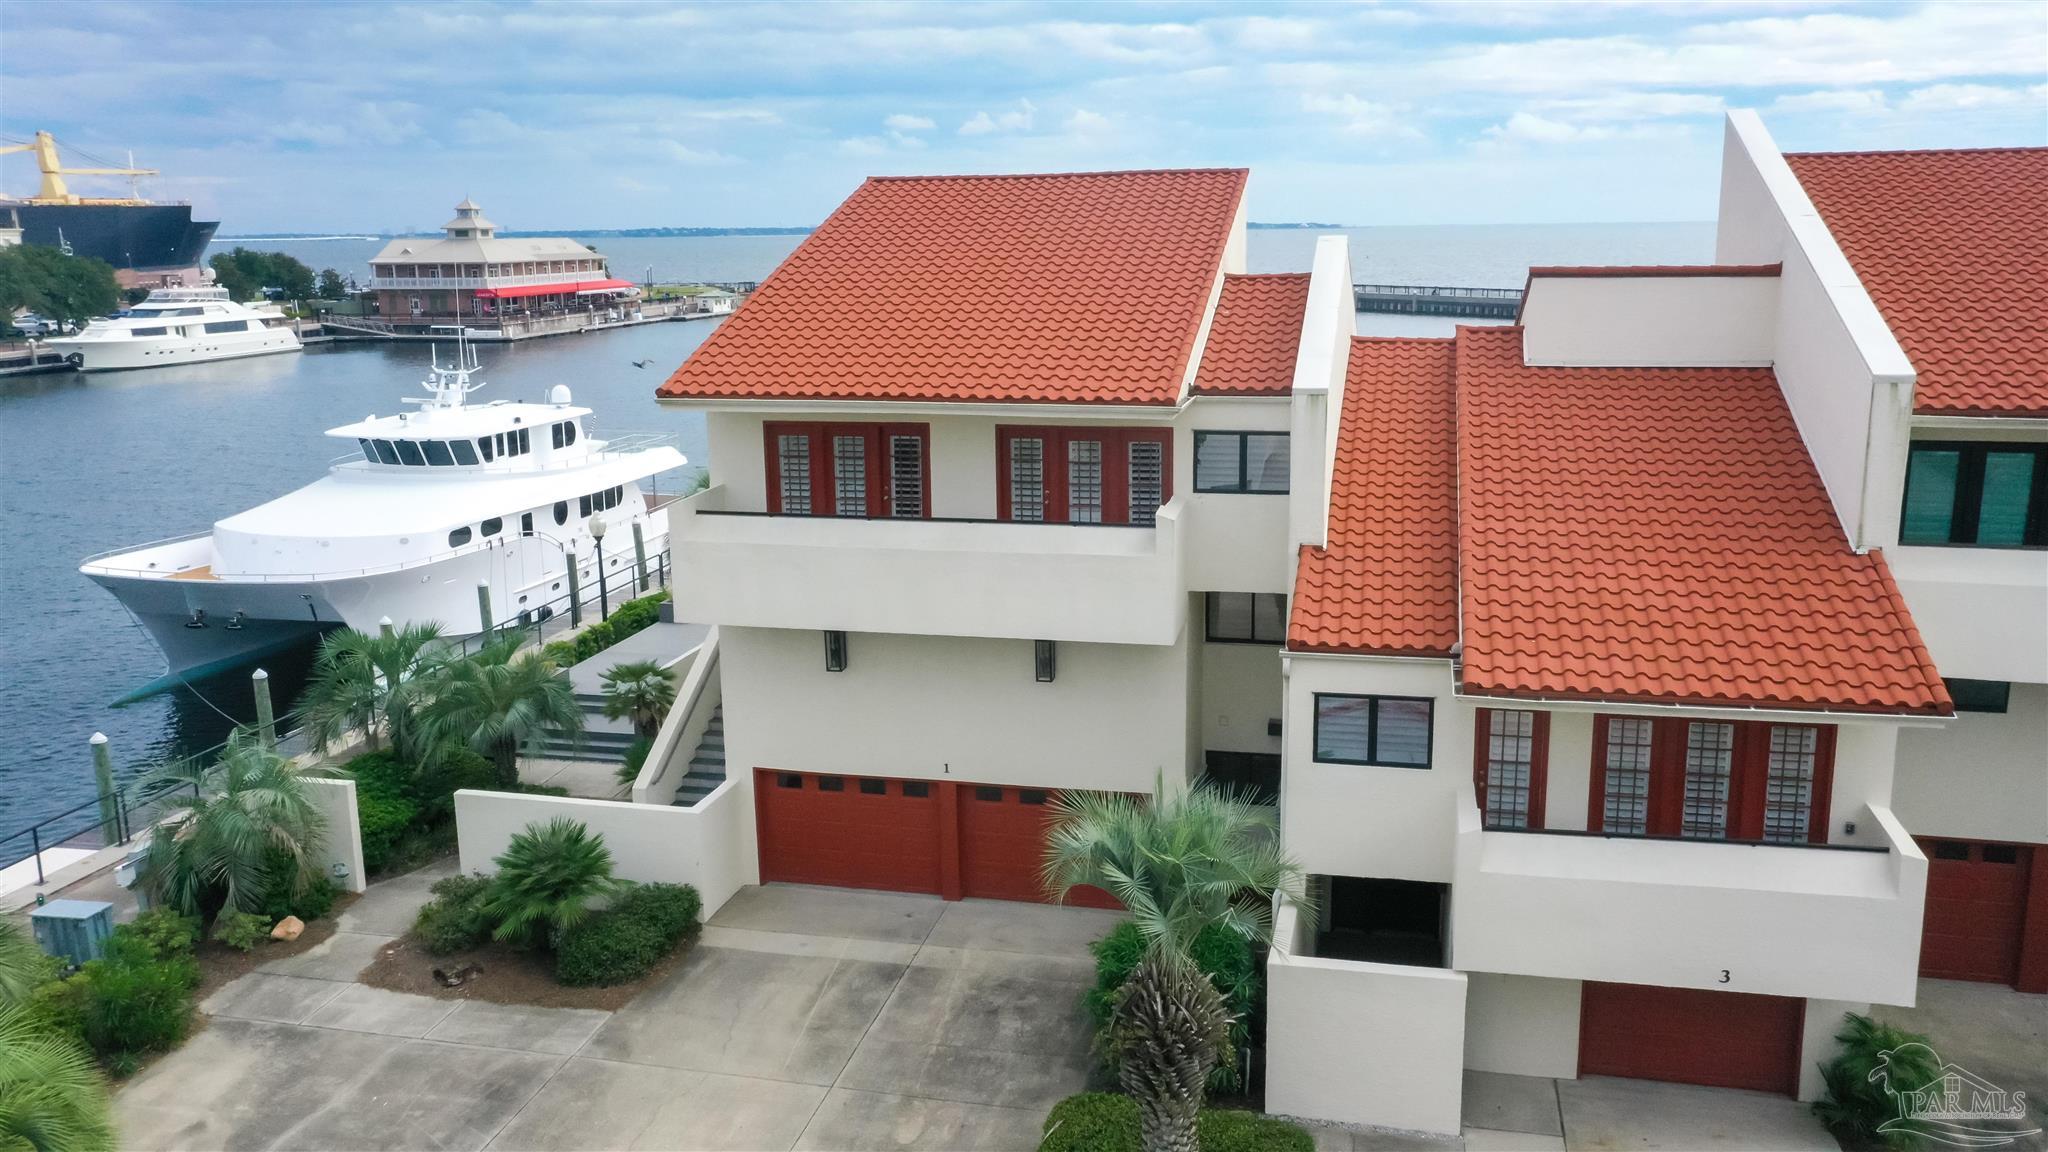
x=335, y=798
x=1983, y=777
x=1236, y=542
x=930, y=707
x=709, y=846
x=1817, y=1041
x=1353, y=820
x=1328, y=324
x=1522, y=1025
x=1983, y=612
x=1667, y=321
x=1370, y=1044
x=1570, y=769
x=1240, y=692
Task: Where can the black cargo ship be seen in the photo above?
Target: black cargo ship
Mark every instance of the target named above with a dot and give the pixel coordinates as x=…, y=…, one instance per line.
x=143, y=237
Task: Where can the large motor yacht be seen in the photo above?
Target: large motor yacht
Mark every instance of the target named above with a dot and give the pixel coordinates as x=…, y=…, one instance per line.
x=178, y=326
x=430, y=505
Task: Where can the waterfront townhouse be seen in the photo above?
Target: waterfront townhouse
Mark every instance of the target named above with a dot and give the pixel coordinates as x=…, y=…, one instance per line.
x=1580, y=656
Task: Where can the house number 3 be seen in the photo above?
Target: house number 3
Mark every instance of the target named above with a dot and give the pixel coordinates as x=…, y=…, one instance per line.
x=1724, y=975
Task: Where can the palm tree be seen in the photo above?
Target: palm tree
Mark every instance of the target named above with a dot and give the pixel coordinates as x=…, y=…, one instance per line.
x=495, y=701
x=21, y=963
x=641, y=690
x=235, y=830
x=1179, y=864
x=52, y=1098
x=362, y=681
x=546, y=880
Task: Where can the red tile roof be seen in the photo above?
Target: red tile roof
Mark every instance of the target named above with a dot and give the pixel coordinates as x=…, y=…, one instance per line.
x=1255, y=336
x=1646, y=534
x=1952, y=245
x=1388, y=581
x=1081, y=288
x=1660, y=534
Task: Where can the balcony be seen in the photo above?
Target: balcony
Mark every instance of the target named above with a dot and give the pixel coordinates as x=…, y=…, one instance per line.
x=443, y=283
x=1099, y=584
x=1834, y=922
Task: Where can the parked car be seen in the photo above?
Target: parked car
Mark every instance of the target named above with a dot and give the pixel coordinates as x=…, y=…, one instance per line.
x=35, y=327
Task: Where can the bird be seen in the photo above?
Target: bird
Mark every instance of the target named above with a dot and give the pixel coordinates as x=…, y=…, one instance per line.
x=642, y=363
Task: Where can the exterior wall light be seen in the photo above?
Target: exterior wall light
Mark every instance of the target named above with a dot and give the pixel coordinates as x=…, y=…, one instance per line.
x=1045, y=660
x=835, y=651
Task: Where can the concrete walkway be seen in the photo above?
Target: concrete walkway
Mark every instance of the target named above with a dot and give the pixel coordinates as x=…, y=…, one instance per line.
x=662, y=643
x=805, y=1018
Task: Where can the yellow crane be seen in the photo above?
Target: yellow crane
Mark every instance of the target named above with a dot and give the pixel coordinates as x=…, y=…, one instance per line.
x=54, y=190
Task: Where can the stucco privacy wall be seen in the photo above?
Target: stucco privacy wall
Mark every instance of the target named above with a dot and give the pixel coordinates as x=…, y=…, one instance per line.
x=1354, y=820
x=709, y=846
x=1983, y=777
x=1846, y=380
x=1240, y=686
x=1327, y=326
x=335, y=798
x=1644, y=321
x=1372, y=1044
x=1235, y=541
x=1522, y=1025
x=933, y=707
x=1817, y=1041
x=1982, y=611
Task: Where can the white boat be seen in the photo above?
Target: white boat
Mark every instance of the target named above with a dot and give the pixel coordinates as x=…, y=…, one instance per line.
x=178, y=326
x=431, y=505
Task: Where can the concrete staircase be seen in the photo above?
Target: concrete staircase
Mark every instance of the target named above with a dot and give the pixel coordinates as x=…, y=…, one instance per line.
x=603, y=741
x=707, y=765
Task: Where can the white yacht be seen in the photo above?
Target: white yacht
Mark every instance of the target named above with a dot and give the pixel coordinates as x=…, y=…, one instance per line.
x=178, y=326
x=431, y=504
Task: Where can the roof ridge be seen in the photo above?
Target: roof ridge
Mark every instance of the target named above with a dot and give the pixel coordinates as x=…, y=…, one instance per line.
x=1246, y=172
x=1445, y=340
x=1925, y=151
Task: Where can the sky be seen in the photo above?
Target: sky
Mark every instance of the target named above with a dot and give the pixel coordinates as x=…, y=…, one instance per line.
x=379, y=117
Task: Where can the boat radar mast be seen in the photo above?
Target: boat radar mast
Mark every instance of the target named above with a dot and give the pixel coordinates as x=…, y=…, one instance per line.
x=447, y=384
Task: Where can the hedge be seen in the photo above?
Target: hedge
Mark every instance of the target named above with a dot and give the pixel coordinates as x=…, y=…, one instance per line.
x=628, y=618
x=1108, y=1122
x=453, y=921
x=135, y=999
x=623, y=942
x=395, y=798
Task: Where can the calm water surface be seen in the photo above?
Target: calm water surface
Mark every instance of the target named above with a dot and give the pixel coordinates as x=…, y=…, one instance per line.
x=91, y=463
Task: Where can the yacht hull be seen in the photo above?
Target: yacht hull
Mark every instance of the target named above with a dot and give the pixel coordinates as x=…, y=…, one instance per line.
x=149, y=352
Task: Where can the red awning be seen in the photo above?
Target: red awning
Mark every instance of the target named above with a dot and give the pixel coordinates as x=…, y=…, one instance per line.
x=563, y=288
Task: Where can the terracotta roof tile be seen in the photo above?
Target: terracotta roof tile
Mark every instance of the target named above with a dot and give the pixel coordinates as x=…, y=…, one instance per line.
x=1952, y=246
x=1255, y=336
x=1660, y=534
x=1387, y=582
x=1074, y=288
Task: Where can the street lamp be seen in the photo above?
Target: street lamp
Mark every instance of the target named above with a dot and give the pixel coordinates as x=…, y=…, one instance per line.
x=604, y=602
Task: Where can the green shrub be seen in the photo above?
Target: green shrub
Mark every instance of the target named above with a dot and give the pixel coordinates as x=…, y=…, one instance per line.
x=384, y=818
x=1853, y=1104
x=672, y=909
x=626, y=619
x=548, y=876
x=132, y=1008
x=453, y=921
x=1108, y=1122
x=1223, y=955
x=560, y=653
x=313, y=903
x=435, y=783
x=164, y=933
x=636, y=758
x=242, y=931
x=608, y=948
x=59, y=1005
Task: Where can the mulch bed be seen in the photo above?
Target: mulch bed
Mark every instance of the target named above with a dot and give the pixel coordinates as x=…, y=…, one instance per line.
x=509, y=976
x=220, y=964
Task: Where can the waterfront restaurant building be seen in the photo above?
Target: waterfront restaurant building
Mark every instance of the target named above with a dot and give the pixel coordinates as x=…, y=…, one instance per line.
x=472, y=273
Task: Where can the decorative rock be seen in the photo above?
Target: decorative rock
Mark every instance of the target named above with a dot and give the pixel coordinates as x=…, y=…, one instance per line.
x=288, y=928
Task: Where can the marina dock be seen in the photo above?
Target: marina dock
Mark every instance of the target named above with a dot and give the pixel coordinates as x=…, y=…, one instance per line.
x=1427, y=300
x=496, y=329
x=21, y=360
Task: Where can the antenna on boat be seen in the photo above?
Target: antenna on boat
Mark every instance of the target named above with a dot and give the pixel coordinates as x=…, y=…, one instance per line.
x=448, y=384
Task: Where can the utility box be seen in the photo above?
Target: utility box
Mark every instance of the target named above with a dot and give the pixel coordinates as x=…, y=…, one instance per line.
x=74, y=929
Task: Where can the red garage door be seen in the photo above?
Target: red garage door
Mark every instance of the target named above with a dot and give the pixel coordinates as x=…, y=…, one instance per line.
x=1687, y=1036
x=865, y=832
x=848, y=831
x=1976, y=907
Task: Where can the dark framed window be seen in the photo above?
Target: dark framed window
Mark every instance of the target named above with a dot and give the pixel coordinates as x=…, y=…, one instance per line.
x=526, y=523
x=438, y=454
x=409, y=453
x=484, y=445
x=835, y=651
x=1378, y=731
x=465, y=452
x=494, y=525
x=1979, y=493
x=1711, y=779
x=386, y=454
x=1979, y=695
x=850, y=470
x=561, y=511
x=871, y=787
x=459, y=537
x=1510, y=761
x=568, y=433
x=831, y=783
x=916, y=789
x=1255, y=462
x=989, y=795
x=1083, y=474
x=1247, y=617
x=788, y=780
x=1044, y=660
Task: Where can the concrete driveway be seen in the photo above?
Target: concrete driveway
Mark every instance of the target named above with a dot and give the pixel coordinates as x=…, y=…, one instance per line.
x=805, y=1018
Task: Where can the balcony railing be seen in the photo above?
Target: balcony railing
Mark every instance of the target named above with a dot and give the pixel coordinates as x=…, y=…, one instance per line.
x=415, y=283
x=1115, y=584
x=1838, y=922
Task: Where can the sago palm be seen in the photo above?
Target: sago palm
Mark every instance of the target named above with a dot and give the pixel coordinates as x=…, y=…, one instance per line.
x=52, y=1098
x=1179, y=864
x=641, y=691
x=546, y=880
x=361, y=681
x=496, y=701
x=229, y=827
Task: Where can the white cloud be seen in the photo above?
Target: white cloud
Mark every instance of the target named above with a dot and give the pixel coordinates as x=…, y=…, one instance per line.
x=682, y=153
x=1956, y=97
x=864, y=146
x=1542, y=130
x=903, y=123
x=1084, y=122
x=1636, y=106
x=1359, y=117
x=1018, y=119
x=1848, y=101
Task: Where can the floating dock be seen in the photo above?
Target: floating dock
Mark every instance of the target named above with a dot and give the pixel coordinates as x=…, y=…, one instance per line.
x=1432, y=300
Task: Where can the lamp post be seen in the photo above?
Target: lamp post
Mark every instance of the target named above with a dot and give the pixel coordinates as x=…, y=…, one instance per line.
x=604, y=603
